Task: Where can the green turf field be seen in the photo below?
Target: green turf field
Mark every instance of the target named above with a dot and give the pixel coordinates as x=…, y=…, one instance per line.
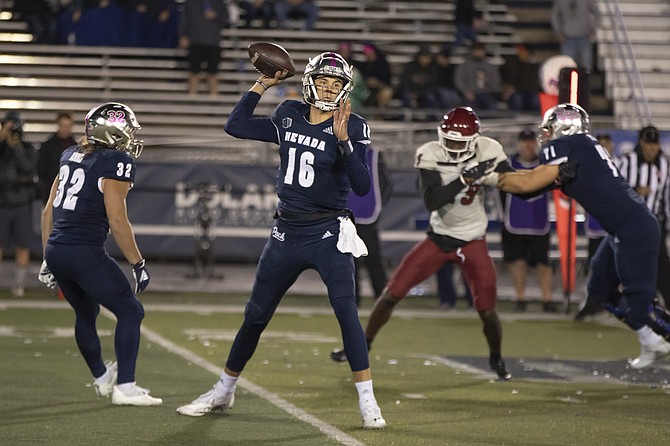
x=429, y=370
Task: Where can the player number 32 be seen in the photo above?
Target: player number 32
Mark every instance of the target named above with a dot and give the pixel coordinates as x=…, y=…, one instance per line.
x=73, y=183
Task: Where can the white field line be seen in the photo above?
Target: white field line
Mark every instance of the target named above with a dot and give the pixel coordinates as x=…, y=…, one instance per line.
x=300, y=414
x=273, y=398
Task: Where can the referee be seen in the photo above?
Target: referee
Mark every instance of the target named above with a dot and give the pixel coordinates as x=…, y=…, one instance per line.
x=647, y=170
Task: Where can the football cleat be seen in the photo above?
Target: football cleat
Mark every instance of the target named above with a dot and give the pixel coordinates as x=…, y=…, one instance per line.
x=206, y=403
x=135, y=396
x=372, y=415
x=338, y=355
x=106, y=387
x=498, y=366
x=651, y=353
x=590, y=308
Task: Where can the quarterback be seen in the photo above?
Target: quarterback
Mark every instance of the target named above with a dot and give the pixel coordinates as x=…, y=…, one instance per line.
x=322, y=157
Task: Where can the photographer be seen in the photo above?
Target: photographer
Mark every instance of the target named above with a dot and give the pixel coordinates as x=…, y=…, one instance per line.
x=18, y=161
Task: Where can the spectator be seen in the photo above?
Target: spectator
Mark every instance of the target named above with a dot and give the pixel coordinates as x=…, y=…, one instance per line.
x=376, y=71
x=445, y=89
x=307, y=9
x=257, y=10
x=18, y=161
x=478, y=80
x=647, y=172
x=40, y=19
x=418, y=81
x=152, y=23
x=360, y=92
x=48, y=159
x=575, y=23
x=200, y=32
x=447, y=291
x=97, y=23
x=525, y=232
x=467, y=20
x=520, y=81
x=366, y=210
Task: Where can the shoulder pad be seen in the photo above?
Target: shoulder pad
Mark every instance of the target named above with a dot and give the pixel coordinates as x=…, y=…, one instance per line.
x=428, y=155
x=488, y=148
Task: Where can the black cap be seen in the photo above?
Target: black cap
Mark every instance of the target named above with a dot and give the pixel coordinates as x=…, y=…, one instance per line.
x=527, y=134
x=650, y=134
x=15, y=118
x=11, y=116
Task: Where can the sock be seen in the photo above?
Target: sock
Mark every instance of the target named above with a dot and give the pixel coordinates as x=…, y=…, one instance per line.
x=494, y=357
x=102, y=379
x=365, y=391
x=21, y=273
x=126, y=386
x=646, y=336
x=226, y=385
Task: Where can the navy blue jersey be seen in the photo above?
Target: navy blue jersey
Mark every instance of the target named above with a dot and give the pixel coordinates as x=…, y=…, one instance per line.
x=79, y=215
x=598, y=185
x=313, y=175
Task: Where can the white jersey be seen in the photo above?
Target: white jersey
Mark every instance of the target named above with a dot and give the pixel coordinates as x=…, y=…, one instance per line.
x=464, y=219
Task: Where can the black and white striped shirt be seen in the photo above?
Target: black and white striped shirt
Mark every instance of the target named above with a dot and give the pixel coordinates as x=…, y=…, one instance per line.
x=654, y=176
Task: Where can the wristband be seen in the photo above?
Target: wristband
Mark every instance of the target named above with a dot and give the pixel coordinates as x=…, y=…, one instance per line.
x=265, y=87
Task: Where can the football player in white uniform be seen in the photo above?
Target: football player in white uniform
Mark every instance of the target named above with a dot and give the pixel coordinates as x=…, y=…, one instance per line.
x=453, y=171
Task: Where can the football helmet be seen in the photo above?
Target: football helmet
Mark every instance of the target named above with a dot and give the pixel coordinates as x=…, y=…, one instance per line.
x=327, y=64
x=459, y=132
x=564, y=120
x=113, y=125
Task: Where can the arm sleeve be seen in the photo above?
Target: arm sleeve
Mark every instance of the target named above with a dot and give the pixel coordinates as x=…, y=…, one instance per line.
x=355, y=166
x=434, y=194
x=242, y=124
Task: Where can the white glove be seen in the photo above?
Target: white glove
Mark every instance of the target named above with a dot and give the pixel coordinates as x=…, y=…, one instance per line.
x=46, y=276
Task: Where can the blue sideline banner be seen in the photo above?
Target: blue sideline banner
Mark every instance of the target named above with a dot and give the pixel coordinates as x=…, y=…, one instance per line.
x=175, y=207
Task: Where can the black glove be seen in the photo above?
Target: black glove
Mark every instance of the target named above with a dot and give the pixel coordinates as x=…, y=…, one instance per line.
x=141, y=275
x=469, y=176
x=566, y=171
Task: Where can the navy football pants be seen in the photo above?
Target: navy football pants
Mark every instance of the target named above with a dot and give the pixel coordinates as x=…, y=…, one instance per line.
x=629, y=259
x=290, y=250
x=89, y=277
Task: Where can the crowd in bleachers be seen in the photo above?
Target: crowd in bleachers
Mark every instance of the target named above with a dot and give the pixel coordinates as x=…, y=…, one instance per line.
x=136, y=23
x=144, y=23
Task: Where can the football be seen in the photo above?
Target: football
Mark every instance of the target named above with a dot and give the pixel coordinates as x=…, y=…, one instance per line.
x=268, y=58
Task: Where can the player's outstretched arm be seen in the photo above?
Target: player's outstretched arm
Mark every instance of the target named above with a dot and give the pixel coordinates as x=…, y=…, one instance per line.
x=527, y=182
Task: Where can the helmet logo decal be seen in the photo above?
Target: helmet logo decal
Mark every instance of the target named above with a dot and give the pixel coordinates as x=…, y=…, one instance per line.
x=118, y=116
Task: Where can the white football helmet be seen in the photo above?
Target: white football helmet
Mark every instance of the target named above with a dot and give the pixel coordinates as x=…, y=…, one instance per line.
x=113, y=125
x=327, y=64
x=459, y=132
x=564, y=120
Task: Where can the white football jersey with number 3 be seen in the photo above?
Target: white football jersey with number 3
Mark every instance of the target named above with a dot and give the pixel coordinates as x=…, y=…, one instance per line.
x=464, y=219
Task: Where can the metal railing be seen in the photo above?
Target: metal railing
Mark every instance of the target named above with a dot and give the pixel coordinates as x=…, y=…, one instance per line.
x=624, y=52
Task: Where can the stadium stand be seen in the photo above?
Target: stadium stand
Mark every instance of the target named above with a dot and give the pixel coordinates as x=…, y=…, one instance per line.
x=43, y=79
